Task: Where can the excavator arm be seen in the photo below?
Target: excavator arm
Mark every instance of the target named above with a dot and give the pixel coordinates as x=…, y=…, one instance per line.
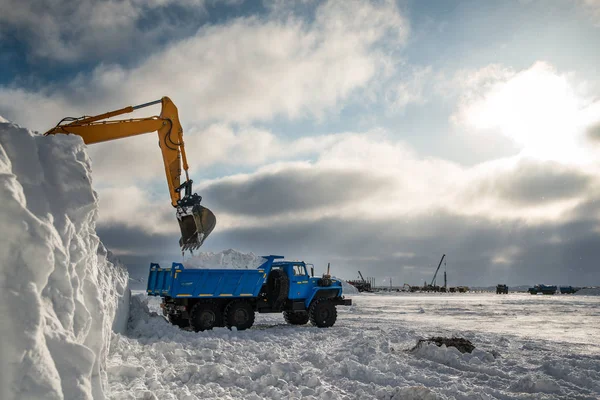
x=195, y=221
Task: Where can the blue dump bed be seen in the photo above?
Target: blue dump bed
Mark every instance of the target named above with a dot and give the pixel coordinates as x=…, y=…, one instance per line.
x=206, y=283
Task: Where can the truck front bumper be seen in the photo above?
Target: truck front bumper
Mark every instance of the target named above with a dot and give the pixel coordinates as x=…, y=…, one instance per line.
x=339, y=301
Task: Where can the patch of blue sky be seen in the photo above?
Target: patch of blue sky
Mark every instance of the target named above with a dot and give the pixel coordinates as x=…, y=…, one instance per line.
x=472, y=33
x=22, y=69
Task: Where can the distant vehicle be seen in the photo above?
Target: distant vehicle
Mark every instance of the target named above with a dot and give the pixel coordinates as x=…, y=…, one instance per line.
x=501, y=289
x=568, y=289
x=543, y=289
x=208, y=298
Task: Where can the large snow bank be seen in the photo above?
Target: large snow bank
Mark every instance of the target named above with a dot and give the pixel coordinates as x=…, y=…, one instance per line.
x=59, y=294
x=588, y=292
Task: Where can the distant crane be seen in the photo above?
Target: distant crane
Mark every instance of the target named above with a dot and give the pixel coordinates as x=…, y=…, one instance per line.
x=436, y=271
x=361, y=276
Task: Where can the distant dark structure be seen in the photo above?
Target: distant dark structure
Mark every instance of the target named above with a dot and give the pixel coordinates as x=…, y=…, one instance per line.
x=568, y=289
x=543, y=289
x=432, y=287
x=362, y=284
x=501, y=289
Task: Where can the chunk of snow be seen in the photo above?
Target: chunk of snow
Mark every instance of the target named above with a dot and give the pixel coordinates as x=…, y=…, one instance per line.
x=60, y=296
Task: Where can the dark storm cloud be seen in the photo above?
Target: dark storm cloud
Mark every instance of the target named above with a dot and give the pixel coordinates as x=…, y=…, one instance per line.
x=561, y=253
x=292, y=190
x=120, y=237
x=480, y=251
x=533, y=183
x=136, y=249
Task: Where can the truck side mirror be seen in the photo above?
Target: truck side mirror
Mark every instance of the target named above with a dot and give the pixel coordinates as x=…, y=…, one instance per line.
x=312, y=271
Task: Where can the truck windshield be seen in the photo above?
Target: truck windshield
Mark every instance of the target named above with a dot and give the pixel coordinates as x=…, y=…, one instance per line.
x=299, y=270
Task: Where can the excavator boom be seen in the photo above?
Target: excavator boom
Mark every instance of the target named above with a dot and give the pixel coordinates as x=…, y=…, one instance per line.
x=195, y=221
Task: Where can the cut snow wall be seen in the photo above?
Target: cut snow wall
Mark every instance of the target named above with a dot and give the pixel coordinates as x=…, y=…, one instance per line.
x=59, y=294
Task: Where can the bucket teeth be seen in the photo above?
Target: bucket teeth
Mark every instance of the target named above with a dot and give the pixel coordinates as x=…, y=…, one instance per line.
x=195, y=227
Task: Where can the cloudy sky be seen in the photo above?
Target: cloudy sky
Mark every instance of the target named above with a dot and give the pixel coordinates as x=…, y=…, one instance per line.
x=373, y=135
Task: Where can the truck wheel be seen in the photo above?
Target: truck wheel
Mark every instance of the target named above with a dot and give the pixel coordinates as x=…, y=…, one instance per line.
x=204, y=316
x=296, y=318
x=322, y=313
x=179, y=321
x=239, y=314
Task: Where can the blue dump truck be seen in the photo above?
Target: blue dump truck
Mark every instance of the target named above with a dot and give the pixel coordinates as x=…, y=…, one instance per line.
x=206, y=298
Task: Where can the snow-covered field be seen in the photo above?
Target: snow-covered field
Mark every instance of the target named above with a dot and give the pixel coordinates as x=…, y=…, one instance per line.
x=528, y=347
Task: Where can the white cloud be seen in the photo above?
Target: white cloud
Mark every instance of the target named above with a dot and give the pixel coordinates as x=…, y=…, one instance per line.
x=67, y=31
x=410, y=90
x=592, y=8
x=362, y=177
x=245, y=70
x=250, y=146
x=542, y=111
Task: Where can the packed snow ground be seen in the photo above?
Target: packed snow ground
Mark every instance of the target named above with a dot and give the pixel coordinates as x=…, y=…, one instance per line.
x=60, y=295
x=528, y=347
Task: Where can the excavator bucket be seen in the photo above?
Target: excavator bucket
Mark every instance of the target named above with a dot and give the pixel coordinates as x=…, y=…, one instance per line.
x=195, y=227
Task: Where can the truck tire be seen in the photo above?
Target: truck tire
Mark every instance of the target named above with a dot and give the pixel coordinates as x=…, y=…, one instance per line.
x=296, y=318
x=239, y=314
x=178, y=320
x=322, y=313
x=204, y=316
x=278, y=286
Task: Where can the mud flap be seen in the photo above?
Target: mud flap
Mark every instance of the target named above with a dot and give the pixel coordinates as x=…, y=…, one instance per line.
x=195, y=227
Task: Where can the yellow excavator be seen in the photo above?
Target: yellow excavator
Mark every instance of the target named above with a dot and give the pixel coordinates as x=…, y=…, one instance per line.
x=195, y=221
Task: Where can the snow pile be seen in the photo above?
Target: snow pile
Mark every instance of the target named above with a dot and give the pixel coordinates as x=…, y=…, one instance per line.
x=227, y=259
x=595, y=291
x=60, y=297
x=348, y=288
